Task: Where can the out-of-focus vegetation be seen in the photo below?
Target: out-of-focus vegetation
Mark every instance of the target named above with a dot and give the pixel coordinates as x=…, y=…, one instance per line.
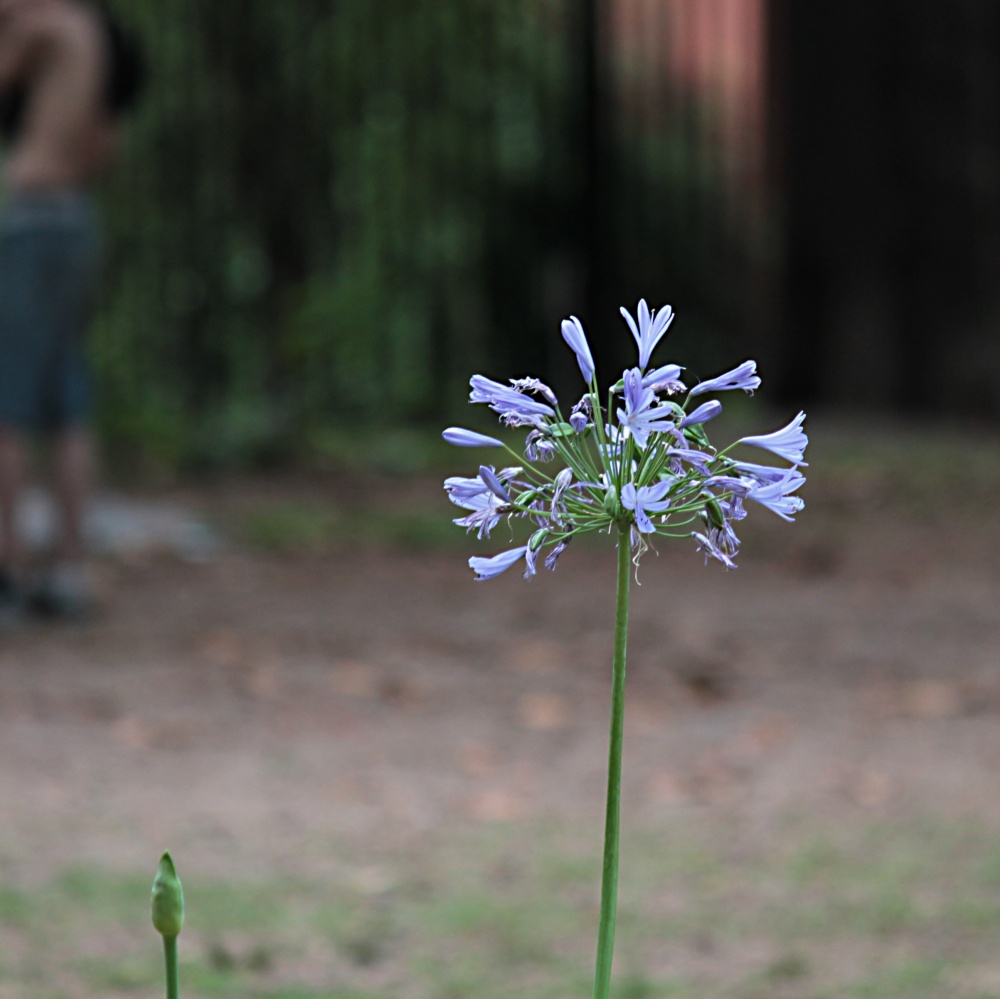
x=331, y=214
x=873, y=911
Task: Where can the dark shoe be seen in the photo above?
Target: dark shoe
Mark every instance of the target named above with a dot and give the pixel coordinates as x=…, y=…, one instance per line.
x=66, y=590
x=11, y=601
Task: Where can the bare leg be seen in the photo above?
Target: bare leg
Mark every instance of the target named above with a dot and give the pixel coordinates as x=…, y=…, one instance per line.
x=73, y=473
x=12, y=470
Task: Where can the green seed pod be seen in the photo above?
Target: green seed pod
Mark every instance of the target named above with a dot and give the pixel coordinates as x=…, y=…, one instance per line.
x=538, y=539
x=714, y=513
x=168, y=899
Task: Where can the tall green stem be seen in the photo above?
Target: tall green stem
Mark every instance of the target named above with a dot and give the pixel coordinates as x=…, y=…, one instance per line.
x=609, y=876
x=170, y=956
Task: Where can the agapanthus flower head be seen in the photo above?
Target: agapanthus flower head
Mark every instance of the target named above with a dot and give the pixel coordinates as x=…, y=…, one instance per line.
x=644, y=463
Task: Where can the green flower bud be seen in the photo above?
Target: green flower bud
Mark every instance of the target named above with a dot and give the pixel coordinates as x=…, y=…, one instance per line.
x=714, y=513
x=611, y=507
x=168, y=899
x=561, y=430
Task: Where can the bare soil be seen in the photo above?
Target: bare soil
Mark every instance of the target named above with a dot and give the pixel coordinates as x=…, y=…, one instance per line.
x=248, y=711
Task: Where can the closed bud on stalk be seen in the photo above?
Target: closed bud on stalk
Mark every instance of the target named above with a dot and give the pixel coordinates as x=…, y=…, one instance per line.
x=168, y=899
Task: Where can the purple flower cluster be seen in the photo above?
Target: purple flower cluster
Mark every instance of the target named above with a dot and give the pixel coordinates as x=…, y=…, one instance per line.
x=642, y=461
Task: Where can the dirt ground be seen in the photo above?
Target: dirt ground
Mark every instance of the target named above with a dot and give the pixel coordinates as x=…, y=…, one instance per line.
x=249, y=710
x=852, y=656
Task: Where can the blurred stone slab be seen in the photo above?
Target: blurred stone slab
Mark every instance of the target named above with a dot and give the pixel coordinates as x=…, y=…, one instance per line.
x=119, y=525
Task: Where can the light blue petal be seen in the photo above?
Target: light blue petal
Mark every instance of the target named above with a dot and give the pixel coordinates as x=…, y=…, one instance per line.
x=789, y=442
x=572, y=331
x=744, y=377
x=705, y=412
x=469, y=438
x=487, y=568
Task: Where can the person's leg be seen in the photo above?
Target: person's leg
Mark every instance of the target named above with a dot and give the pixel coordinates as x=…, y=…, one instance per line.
x=12, y=467
x=21, y=346
x=66, y=587
x=73, y=477
x=12, y=470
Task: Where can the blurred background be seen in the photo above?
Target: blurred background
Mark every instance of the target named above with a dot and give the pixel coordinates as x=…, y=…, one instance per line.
x=337, y=211
x=378, y=778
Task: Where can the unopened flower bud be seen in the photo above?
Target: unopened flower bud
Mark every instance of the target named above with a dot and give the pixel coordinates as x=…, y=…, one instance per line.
x=714, y=513
x=168, y=899
x=611, y=505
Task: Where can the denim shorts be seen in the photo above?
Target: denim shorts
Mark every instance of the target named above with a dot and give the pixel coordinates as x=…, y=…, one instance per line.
x=48, y=264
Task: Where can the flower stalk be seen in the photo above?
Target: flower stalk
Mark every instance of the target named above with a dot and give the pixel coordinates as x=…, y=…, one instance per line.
x=612, y=818
x=170, y=959
x=639, y=466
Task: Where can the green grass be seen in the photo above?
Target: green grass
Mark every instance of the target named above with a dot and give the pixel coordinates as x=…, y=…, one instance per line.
x=297, y=526
x=887, y=911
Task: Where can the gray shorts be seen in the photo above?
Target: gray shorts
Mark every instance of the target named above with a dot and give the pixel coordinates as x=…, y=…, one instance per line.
x=48, y=257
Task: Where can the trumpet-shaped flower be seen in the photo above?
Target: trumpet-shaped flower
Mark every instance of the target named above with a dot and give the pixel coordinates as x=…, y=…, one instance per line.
x=698, y=460
x=475, y=495
x=641, y=417
x=515, y=408
x=705, y=412
x=776, y=495
x=486, y=513
x=572, y=331
x=462, y=490
x=665, y=379
x=469, y=438
x=763, y=474
x=580, y=414
x=649, y=329
x=493, y=483
x=789, y=442
x=744, y=377
x=487, y=568
x=536, y=386
x=553, y=555
x=537, y=447
x=712, y=549
x=644, y=500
